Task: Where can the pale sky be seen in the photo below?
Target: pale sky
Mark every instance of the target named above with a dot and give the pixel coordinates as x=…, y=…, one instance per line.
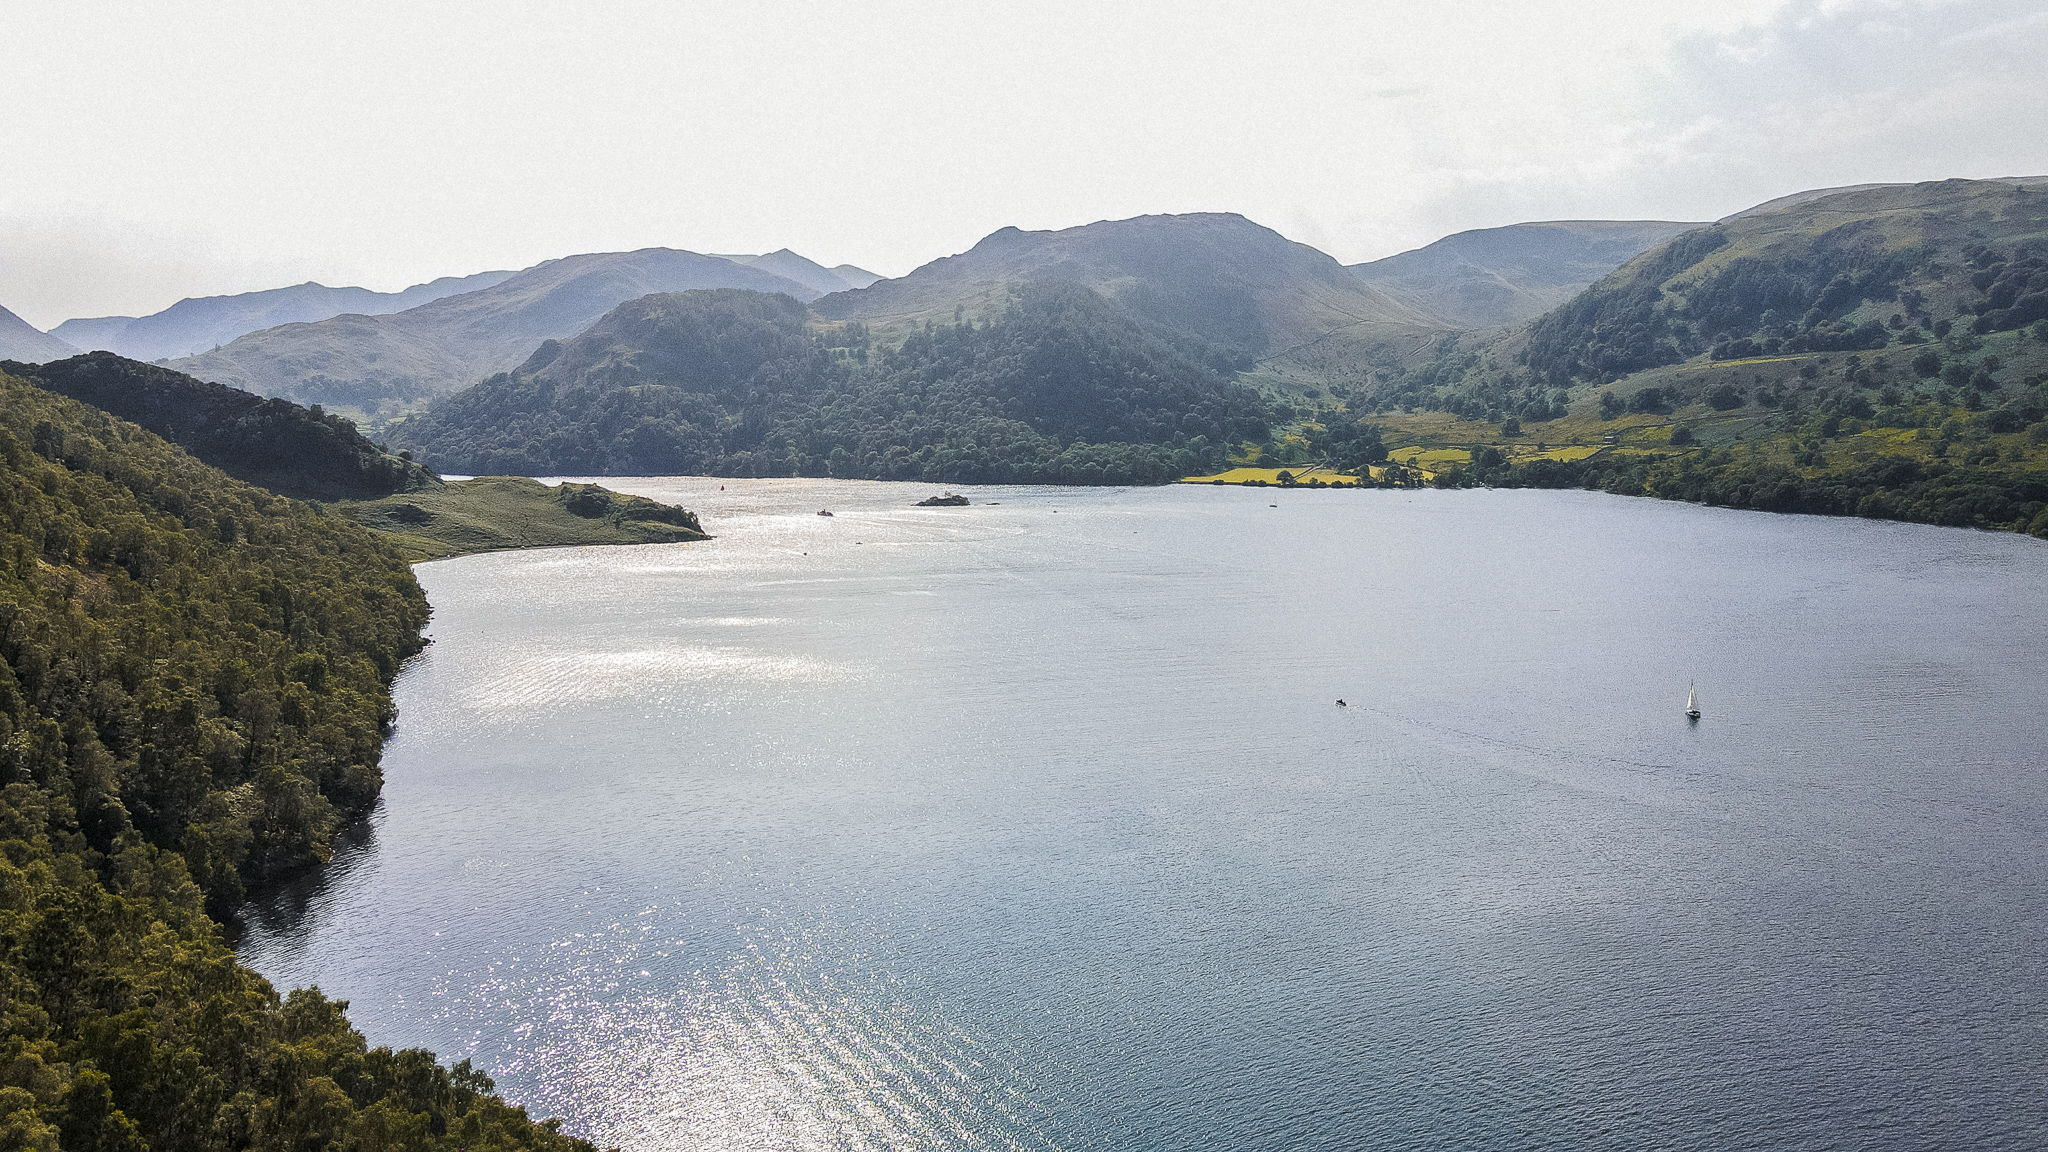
x=169, y=149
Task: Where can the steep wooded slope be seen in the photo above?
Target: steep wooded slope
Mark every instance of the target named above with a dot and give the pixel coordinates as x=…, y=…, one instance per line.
x=450, y=343
x=1058, y=385
x=274, y=444
x=193, y=694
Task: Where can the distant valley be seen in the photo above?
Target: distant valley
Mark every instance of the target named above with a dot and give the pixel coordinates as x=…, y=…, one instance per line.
x=1158, y=347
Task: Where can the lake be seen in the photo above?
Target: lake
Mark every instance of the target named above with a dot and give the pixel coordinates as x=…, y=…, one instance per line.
x=1035, y=825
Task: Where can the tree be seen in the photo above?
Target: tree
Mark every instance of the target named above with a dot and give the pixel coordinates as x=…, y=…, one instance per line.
x=1610, y=407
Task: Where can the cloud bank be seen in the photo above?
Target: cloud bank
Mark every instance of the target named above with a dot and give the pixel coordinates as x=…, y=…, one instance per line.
x=198, y=148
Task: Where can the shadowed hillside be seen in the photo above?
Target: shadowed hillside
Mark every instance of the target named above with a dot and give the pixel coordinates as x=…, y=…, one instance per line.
x=271, y=443
x=369, y=362
x=1058, y=385
x=1491, y=277
x=195, y=325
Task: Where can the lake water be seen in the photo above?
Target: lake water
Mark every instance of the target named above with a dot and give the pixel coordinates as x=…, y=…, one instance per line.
x=1035, y=825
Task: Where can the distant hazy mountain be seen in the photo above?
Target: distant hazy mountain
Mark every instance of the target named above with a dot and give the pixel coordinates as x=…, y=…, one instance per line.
x=1491, y=277
x=1242, y=293
x=455, y=341
x=854, y=275
x=805, y=271
x=20, y=340
x=274, y=444
x=196, y=324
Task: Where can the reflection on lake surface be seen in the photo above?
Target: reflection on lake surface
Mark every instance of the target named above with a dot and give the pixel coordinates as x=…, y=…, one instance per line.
x=1035, y=825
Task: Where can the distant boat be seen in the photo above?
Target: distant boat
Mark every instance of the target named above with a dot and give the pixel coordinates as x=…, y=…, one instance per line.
x=1692, y=703
x=822, y=512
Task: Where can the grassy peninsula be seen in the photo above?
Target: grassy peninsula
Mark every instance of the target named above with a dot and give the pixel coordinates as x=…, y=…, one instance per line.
x=493, y=513
x=194, y=693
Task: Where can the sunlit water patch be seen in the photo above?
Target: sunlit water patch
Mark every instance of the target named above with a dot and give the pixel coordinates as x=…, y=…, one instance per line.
x=1035, y=824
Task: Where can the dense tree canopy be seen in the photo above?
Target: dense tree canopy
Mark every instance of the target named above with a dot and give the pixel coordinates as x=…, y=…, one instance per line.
x=1061, y=388
x=273, y=443
x=193, y=695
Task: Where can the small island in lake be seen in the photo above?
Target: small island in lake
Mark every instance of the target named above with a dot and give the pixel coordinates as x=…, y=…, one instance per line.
x=949, y=500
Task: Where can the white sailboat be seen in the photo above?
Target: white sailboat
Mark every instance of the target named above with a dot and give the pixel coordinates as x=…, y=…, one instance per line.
x=1692, y=703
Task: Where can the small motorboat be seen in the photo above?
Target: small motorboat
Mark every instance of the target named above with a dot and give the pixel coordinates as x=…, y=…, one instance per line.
x=1342, y=704
x=822, y=512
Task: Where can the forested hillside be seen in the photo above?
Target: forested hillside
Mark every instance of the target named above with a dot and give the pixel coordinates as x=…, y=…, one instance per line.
x=274, y=444
x=1883, y=269
x=193, y=695
x=1852, y=272
x=1058, y=386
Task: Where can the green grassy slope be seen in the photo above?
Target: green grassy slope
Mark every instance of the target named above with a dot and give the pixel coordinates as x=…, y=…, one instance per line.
x=1826, y=275
x=1877, y=351
x=493, y=513
x=1951, y=432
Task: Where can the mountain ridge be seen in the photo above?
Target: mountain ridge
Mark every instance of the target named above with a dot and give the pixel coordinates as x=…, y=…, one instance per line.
x=273, y=444
x=449, y=343
x=198, y=323
x=1252, y=299
x=23, y=341
x=1494, y=277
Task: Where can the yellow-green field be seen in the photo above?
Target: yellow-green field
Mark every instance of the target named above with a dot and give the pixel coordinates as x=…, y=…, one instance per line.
x=1303, y=475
